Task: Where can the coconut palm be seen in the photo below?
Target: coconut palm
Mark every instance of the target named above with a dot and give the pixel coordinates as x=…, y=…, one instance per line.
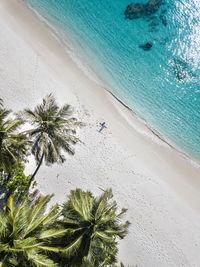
x=13, y=145
x=54, y=131
x=26, y=232
x=1, y=102
x=93, y=228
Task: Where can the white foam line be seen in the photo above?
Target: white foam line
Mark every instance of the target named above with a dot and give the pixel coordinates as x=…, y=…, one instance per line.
x=57, y=33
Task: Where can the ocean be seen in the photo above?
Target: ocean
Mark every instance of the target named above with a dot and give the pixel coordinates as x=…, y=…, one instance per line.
x=148, y=57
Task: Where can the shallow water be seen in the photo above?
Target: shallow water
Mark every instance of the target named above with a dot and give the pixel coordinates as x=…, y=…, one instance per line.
x=162, y=84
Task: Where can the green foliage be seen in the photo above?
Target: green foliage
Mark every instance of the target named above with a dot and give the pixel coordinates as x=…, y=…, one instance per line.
x=26, y=233
x=53, y=131
x=13, y=145
x=83, y=234
x=18, y=182
x=93, y=227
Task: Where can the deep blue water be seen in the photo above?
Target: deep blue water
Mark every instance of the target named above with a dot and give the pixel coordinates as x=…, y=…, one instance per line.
x=162, y=85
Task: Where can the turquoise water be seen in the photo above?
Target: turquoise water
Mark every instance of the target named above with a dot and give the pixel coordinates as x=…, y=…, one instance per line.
x=162, y=84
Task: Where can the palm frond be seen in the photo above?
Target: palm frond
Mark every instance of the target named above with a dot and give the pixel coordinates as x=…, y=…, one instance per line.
x=103, y=236
x=52, y=233
x=49, y=249
x=73, y=247
x=82, y=202
x=35, y=216
x=64, y=112
x=40, y=260
x=21, y=241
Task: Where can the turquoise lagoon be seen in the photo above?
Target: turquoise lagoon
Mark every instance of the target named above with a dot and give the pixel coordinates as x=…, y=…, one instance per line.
x=161, y=85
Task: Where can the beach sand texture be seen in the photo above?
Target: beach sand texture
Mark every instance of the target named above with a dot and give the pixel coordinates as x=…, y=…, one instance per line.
x=158, y=186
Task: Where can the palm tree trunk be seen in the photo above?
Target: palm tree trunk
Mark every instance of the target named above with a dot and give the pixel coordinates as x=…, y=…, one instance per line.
x=39, y=164
x=8, y=177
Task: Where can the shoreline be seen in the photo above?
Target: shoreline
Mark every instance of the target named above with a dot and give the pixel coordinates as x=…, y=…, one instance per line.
x=89, y=73
x=157, y=185
x=56, y=57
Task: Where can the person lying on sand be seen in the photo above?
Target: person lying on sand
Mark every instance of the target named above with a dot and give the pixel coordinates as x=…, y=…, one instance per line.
x=102, y=126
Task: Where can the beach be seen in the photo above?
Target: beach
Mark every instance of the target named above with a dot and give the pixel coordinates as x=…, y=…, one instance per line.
x=158, y=185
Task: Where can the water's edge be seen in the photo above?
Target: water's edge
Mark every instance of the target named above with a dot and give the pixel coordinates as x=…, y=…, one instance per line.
x=95, y=78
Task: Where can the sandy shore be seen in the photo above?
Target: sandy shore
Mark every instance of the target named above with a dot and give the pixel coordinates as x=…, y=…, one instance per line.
x=157, y=185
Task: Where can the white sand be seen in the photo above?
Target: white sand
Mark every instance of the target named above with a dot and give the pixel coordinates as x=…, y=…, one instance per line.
x=157, y=185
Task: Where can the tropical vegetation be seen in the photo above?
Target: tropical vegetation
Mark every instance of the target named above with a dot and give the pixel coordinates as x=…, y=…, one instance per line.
x=18, y=183
x=13, y=144
x=53, y=131
x=84, y=231
x=26, y=233
x=93, y=227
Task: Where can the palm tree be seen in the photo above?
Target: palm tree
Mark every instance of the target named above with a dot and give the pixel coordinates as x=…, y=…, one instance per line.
x=26, y=233
x=13, y=145
x=93, y=228
x=54, y=131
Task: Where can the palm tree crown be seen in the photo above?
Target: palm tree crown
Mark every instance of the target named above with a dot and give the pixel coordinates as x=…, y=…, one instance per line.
x=13, y=145
x=93, y=228
x=54, y=130
x=25, y=233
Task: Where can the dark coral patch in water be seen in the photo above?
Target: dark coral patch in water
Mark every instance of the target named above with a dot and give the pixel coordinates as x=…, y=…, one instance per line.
x=146, y=46
x=138, y=10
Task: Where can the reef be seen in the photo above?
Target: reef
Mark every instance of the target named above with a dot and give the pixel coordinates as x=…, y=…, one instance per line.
x=138, y=10
x=146, y=46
